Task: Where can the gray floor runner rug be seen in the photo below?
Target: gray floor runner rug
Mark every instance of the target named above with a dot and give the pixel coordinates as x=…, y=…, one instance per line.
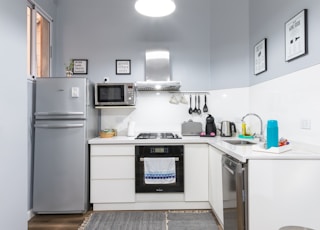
x=151, y=220
x=127, y=221
x=191, y=221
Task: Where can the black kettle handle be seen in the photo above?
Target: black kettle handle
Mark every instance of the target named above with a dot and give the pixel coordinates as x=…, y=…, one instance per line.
x=234, y=127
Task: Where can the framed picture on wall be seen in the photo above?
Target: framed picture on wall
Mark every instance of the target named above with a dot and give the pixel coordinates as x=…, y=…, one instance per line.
x=80, y=66
x=123, y=67
x=260, y=57
x=296, y=36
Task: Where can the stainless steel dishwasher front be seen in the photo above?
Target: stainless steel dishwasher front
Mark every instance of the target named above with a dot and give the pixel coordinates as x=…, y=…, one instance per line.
x=234, y=181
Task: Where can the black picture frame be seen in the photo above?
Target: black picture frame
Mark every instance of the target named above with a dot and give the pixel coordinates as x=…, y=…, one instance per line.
x=123, y=67
x=260, y=57
x=80, y=66
x=296, y=36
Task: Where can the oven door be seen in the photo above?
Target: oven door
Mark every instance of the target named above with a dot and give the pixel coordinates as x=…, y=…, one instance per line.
x=159, y=169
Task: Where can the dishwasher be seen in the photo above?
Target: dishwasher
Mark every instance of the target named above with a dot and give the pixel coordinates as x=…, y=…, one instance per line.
x=235, y=193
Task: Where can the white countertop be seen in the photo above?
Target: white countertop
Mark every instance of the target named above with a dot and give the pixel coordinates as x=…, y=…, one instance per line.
x=240, y=152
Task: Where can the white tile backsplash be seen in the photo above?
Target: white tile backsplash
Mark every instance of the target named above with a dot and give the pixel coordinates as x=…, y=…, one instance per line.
x=290, y=99
x=153, y=113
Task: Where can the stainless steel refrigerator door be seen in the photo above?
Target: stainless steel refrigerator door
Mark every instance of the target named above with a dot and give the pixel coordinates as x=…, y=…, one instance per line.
x=61, y=98
x=60, y=167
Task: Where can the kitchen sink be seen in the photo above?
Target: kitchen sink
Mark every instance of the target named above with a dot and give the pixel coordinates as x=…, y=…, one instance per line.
x=239, y=142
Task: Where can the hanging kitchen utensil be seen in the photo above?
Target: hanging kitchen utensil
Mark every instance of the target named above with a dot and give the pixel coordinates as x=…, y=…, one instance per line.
x=199, y=110
x=205, y=107
x=190, y=109
x=195, y=110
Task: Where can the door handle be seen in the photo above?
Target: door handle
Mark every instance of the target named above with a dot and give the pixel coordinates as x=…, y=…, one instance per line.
x=228, y=169
x=176, y=159
x=57, y=113
x=46, y=126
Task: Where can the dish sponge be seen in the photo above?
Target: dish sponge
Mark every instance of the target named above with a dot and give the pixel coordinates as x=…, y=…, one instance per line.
x=246, y=136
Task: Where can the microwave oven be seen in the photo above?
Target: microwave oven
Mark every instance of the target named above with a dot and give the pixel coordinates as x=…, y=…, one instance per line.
x=114, y=94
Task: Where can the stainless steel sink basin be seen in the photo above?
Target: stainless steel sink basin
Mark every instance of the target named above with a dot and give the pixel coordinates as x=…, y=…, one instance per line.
x=239, y=142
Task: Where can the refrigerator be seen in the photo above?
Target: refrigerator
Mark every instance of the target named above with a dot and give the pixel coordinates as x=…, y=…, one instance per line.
x=65, y=120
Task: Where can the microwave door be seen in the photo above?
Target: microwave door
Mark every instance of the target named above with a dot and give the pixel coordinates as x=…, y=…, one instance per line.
x=112, y=94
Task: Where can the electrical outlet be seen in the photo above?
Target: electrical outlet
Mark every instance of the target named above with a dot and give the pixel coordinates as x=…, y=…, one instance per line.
x=305, y=124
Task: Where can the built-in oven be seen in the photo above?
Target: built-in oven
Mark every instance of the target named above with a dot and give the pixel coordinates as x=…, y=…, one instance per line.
x=159, y=168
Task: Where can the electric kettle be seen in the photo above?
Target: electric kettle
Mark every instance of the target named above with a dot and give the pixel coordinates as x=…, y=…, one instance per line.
x=226, y=128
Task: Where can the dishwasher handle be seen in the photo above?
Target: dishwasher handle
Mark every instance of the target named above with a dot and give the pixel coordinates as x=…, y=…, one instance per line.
x=228, y=169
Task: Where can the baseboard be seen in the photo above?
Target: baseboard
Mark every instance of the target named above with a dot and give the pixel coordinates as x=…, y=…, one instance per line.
x=30, y=214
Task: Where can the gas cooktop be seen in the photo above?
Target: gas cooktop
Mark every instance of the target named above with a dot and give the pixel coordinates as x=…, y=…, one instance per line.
x=158, y=136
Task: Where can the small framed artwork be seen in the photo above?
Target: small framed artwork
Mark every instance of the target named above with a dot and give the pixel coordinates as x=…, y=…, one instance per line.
x=296, y=36
x=80, y=66
x=123, y=67
x=260, y=57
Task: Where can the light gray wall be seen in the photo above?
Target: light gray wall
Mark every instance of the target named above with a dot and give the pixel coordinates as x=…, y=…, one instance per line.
x=267, y=20
x=13, y=119
x=208, y=40
x=229, y=44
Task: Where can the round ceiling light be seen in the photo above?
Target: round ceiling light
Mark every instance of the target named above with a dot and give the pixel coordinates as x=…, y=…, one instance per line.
x=155, y=8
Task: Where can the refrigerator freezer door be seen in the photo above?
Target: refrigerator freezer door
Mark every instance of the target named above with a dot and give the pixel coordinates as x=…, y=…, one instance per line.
x=60, y=167
x=61, y=98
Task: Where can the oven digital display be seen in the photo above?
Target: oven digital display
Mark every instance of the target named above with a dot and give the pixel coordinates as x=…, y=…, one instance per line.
x=159, y=150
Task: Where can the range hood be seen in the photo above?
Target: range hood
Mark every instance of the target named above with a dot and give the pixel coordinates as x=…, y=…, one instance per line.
x=158, y=73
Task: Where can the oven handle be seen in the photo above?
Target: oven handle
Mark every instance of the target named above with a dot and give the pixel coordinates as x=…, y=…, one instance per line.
x=176, y=159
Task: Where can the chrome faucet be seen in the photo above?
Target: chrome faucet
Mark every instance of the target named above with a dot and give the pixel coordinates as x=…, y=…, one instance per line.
x=260, y=136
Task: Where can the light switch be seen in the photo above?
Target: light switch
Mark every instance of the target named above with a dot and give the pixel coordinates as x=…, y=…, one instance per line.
x=75, y=92
x=305, y=124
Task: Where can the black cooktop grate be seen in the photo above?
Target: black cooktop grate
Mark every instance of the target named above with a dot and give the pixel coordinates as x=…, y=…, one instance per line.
x=157, y=136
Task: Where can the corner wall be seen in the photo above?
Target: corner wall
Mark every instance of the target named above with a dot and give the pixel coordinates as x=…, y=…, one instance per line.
x=13, y=116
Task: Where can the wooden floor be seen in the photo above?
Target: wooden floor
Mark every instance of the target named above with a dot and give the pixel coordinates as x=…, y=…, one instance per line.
x=57, y=222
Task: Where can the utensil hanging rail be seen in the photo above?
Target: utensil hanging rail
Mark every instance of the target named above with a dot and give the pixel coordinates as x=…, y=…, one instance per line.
x=191, y=92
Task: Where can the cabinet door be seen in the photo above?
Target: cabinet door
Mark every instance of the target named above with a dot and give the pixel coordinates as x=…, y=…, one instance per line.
x=285, y=191
x=112, y=174
x=112, y=150
x=112, y=167
x=196, y=172
x=215, y=182
x=112, y=191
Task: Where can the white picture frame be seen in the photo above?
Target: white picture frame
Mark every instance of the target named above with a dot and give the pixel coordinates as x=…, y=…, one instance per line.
x=295, y=36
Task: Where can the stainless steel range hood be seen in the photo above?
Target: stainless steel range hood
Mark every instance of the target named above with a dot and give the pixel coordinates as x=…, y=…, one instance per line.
x=158, y=73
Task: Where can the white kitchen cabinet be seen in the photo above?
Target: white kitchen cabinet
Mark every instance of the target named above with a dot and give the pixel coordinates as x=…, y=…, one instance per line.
x=215, y=182
x=112, y=174
x=284, y=193
x=196, y=172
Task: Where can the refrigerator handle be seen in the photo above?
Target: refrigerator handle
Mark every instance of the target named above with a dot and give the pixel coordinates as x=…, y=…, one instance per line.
x=45, y=126
x=57, y=113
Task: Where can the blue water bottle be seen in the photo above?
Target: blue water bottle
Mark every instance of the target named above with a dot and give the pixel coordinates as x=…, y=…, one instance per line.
x=272, y=134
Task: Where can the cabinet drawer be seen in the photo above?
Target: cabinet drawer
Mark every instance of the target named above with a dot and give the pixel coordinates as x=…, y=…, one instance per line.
x=112, y=167
x=112, y=150
x=112, y=191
